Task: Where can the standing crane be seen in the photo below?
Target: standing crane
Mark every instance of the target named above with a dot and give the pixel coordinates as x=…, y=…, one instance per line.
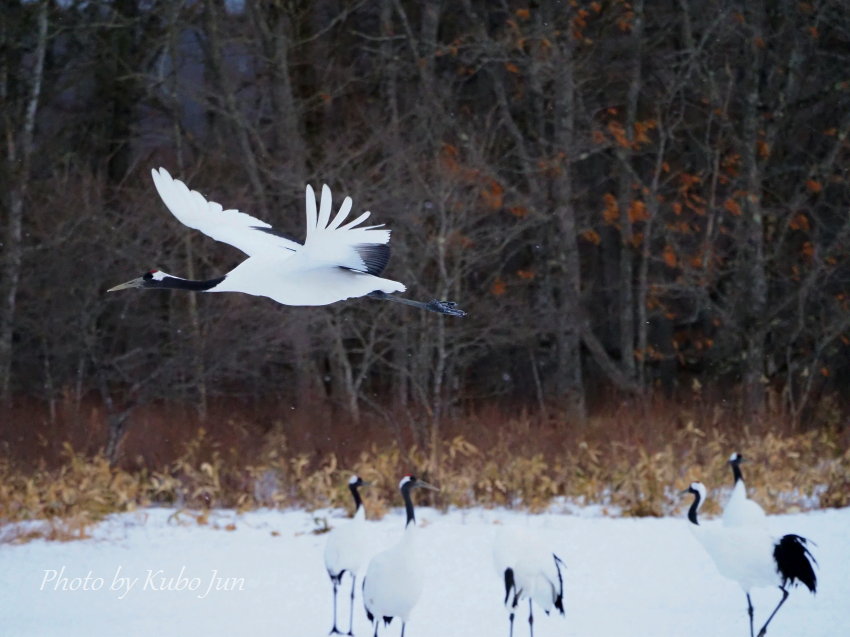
x=530, y=570
x=335, y=262
x=750, y=556
x=394, y=578
x=740, y=510
x=346, y=549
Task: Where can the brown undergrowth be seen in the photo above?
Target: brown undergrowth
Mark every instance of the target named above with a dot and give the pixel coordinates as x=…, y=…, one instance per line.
x=631, y=462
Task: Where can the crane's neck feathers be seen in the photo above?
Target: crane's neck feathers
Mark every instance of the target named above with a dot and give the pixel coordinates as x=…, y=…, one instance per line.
x=695, y=505
x=168, y=282
x=406, y=486
x=736, y=470
x=355, y=493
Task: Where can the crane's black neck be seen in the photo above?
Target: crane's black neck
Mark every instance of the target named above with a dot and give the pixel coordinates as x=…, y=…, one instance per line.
x=408, y=503
x=175, y=283
x=358, y=502
x=736, y=470
x=692, y=512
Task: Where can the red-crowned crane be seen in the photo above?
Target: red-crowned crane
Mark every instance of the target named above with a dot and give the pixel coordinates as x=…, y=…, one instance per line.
x=336, y=261
x=346, y=549
x=740, y=510
x=394, y=578
x=750, y=556
x=530, y=571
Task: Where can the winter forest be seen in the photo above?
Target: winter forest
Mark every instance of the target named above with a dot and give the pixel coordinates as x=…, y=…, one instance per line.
x=643, y=206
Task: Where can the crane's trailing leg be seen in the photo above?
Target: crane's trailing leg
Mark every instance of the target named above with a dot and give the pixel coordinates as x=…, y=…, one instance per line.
x=351, y=611
x=440, y=307
x=510, y=585
x=763, y=630
x=750, y=613
x=530, y=618
x=335, y=581
x=370, y=616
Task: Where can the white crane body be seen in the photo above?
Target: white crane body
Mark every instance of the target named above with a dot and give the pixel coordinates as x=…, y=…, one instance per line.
x=289, y=283
x=337, y=260
x=347, y=546
x=751, y=556
x=346, y=550
x=395, y=577
x=394, y=581
x=530, y=571
x=740, y=511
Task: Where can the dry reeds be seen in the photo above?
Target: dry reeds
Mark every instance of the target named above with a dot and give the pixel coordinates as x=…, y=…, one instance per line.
x=631, y=465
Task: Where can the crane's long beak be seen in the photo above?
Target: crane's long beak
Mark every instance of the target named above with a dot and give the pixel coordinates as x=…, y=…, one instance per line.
x=424, y=485
x=135, y=283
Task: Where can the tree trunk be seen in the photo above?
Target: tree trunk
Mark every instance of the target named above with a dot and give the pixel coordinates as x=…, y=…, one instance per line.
x=222, y=88
x=276, y=31
x=754, y=294
x=568, y=335
x=19, y=154
x=625, y=195
x=343, y=372
x=173, y=100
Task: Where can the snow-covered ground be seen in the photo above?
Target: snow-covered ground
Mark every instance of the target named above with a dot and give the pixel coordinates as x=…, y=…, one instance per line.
x=628, y=577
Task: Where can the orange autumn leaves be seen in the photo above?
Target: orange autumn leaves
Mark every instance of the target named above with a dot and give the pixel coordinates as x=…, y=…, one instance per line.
x=616, y=132
x=688, y=198
x=500, y=286
x=490, y=189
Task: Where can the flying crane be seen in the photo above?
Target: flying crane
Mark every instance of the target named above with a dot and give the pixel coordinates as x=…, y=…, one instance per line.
x=337, y=260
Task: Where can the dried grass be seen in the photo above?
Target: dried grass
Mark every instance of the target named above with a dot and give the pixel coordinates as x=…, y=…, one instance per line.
x=632, y=462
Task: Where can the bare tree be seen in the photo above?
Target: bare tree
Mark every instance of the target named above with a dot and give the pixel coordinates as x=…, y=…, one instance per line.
x=19, y=129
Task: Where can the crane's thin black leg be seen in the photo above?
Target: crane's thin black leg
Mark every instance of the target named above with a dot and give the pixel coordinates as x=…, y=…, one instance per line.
x=511, y=629
x=763, y=630
x=335, y=581
x=440, y=307
x=530, y=618
x=750, y=612
x=402, y=628
x=351, y=608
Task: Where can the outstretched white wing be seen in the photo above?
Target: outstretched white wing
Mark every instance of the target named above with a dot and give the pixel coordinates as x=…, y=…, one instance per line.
x=251, y=235
x=331, y=244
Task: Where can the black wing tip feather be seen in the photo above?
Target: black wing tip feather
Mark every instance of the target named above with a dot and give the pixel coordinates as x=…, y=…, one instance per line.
x=510, y=584
x=375, y=256
x=794, y=561
x=559, y=598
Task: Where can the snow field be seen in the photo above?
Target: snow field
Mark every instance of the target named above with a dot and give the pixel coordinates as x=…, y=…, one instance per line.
x=624, y=577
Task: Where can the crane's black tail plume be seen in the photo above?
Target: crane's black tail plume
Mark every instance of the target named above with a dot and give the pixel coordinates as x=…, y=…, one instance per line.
x=794, y=562
x=559, y=594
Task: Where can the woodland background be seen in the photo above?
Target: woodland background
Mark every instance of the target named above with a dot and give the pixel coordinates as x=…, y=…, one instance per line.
x=642, y=205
